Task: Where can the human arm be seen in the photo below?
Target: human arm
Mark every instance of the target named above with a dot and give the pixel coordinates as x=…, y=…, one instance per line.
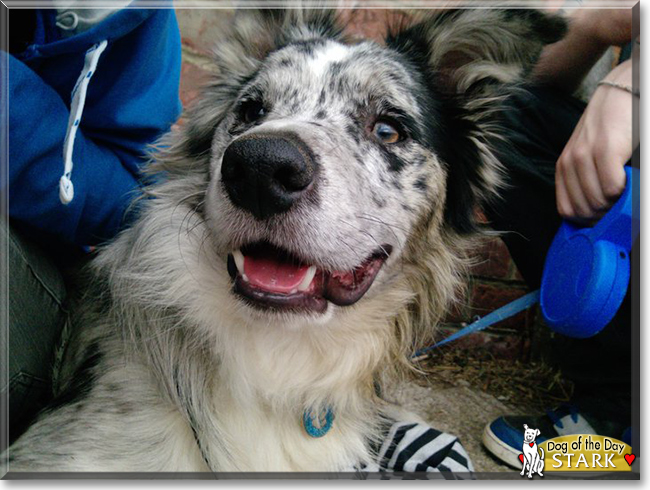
x=591, y=32
x=103, y=183
x=132, y=99
x=589, y=173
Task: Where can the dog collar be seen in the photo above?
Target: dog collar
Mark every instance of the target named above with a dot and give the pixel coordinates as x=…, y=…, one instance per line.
x=317, y=426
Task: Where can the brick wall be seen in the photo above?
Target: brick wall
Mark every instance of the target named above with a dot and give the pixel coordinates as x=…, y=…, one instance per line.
x=494, y=281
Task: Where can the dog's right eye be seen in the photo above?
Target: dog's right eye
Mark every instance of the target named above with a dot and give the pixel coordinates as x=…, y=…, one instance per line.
x=386, y=132
x=251, y=111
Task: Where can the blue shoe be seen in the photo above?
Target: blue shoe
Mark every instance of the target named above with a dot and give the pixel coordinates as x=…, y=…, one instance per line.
x=504, y=437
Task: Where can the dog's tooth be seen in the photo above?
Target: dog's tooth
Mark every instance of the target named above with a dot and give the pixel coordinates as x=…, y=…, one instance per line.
x=309, y=277
x=293, y=291
x=244, y=277
x=239, y=260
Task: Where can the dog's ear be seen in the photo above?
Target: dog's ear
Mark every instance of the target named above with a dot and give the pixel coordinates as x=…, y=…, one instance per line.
x=254, y=33
x=471, y=59
x=469, y=48
x=525, y=427
x=537, y=432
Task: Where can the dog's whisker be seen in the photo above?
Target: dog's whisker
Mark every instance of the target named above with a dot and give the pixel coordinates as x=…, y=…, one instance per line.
x=186, y=198
x=200, y=222
x=370, y=217
x=390, y=228
x=372, y=237
x=349, y=246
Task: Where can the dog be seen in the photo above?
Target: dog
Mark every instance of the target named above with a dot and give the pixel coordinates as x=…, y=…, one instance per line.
x=306, y=228
x=533, y=461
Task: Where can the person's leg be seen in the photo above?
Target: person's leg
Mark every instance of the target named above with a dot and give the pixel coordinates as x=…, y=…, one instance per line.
x=36, y=318
x=537, y=126
x=537, y=129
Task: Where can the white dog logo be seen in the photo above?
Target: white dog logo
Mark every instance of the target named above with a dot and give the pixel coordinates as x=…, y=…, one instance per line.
x=531, y=459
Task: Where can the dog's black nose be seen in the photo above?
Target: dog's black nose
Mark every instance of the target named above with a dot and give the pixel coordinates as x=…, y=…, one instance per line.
x=267, y=174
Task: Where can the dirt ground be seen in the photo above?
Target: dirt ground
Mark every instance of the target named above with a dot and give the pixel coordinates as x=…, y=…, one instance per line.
x=461, y=394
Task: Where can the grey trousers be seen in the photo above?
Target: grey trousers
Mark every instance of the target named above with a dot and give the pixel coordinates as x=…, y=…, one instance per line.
x=37, y=316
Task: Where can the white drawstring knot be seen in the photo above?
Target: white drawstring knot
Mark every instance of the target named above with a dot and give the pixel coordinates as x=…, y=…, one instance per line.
x=66, y=190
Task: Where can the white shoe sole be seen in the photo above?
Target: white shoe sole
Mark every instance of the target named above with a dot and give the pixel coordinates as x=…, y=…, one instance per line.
x=500, y=449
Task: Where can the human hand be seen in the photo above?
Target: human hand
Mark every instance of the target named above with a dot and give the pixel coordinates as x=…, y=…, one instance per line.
x=589, y=175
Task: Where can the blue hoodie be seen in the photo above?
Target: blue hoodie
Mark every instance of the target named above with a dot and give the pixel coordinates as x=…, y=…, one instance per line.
x=123, y=95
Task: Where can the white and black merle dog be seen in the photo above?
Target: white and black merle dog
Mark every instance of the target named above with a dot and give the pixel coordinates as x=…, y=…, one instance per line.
x=307, y=228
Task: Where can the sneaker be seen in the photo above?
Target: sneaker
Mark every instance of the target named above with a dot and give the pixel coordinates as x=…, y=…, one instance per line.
x=504, y=436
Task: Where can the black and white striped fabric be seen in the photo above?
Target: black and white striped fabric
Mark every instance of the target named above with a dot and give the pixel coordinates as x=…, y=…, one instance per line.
x=418, y=448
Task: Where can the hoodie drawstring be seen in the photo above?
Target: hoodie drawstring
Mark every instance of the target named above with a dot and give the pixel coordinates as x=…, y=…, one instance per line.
x=66, y=189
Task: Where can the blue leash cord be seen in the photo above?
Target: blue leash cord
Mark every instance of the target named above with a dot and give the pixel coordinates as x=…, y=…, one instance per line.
x=496, y=316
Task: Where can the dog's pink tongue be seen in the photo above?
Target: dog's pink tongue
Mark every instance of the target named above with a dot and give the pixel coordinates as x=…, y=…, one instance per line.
x=272, y=275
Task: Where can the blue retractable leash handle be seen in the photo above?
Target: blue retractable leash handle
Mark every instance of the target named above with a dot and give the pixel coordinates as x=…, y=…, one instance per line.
x=587, y=270
x=586, y=273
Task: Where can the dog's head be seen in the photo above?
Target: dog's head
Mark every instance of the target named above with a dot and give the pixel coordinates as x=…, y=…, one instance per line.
x=530, y=434
x=329, y=171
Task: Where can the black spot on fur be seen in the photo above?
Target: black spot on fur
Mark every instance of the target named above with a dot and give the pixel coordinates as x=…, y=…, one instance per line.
x=82, y=381
x=112, y=387
x=335, y=69
x=333, y=84
x=421, y=184
x=198, y=143
x=464, y=171
x=380, y=203
x=321, y=114
x=307, y=47
x=124, y=408
x=395, y=163
x=359, y=159
x=549, y=28
x=322, y=22
x=353, y=132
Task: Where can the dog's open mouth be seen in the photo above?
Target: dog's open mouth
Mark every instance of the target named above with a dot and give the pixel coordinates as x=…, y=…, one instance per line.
x=269, y=277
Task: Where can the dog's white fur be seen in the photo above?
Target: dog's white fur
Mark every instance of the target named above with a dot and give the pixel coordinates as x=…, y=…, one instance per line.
x=170, y=370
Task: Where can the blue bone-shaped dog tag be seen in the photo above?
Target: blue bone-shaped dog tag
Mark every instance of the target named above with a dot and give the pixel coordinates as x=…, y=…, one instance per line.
x=587, y=270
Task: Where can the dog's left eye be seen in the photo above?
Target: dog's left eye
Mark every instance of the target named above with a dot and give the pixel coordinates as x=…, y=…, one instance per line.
x=252, y=110
x=386, y=132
